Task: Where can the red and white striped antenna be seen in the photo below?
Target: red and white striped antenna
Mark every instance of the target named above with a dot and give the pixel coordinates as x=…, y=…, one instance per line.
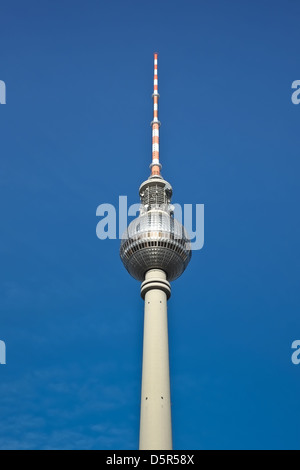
x=155, y=124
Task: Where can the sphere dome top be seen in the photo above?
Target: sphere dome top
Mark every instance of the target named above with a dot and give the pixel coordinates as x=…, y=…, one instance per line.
x=155, y=240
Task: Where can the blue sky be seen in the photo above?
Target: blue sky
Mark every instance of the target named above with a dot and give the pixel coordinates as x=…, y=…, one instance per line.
x=75, y=134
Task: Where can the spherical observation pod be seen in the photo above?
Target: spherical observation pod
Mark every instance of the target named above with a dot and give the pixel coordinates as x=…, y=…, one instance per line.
x=155, y=240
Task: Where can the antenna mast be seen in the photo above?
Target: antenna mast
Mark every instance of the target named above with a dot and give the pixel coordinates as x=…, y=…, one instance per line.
x=155, y=124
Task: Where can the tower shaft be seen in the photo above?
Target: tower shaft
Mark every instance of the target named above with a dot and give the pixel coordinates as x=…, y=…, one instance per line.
x=155, y=422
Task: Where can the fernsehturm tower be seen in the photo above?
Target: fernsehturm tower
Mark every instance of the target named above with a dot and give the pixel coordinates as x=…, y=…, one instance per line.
x=155, y=250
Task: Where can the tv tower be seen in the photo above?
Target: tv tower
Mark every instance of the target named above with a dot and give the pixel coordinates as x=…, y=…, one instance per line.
x=155, y=249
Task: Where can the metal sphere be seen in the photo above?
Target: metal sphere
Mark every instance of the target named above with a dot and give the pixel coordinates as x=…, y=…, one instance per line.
x=155, y=240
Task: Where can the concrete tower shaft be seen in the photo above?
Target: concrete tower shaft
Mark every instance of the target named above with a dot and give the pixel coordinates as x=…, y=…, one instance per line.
x=155, y=421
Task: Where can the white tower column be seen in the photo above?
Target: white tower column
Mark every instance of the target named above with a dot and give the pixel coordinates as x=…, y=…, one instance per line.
x=155, y=423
